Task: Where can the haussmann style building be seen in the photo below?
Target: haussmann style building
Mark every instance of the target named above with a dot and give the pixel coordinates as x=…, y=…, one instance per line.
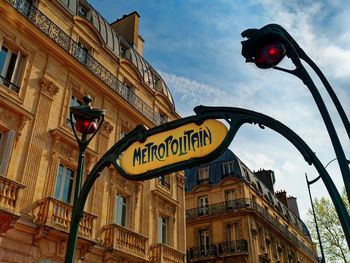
x=53, y=53
x=234, y=215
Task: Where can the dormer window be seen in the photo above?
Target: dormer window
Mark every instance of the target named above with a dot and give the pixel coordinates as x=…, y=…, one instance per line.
x=227, y=168
x=83, y=9
x=203, y=175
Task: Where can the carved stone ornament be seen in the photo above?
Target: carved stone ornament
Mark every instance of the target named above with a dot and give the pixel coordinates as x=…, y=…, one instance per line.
x=11, y=120
x=106, y=128
x=180, y=179
x=48, y=88
x=254, y=232
x=66, y=151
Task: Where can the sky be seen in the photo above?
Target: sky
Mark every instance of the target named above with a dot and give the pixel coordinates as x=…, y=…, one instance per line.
x=195, y=45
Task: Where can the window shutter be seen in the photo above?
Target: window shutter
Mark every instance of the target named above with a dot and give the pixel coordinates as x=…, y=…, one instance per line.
x=10, y=137
x=17, y=69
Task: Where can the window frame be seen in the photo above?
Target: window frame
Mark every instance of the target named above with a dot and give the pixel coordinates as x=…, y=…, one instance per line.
x=64, y=180
x=163, y=229
x=203, y=175
x=16, y=65
x=164, y=180
x=203, y=205
x=228, y=168
x=121, y=213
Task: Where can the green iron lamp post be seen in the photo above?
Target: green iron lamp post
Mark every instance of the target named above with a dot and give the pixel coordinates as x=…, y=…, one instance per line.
x=266, y=47
x=87, y=121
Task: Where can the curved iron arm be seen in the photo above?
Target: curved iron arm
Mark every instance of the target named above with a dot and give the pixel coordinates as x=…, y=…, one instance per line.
x=242, y=116
x=236, y=117
x=275, y=31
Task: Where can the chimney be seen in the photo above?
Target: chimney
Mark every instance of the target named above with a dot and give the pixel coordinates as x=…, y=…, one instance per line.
x=282, y=196
x=293, y=205
x=128, y=28
x=267, y=177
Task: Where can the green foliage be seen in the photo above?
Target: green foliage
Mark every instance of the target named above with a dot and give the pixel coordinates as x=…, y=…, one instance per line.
x=333, y=240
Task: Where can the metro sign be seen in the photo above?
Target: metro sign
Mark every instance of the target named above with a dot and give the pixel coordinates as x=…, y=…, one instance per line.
x=174, y=146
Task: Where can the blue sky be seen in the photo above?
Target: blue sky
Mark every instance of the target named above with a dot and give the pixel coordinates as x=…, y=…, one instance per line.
x=195, y=45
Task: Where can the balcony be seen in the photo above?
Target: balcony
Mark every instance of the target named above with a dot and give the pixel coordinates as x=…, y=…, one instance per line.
x=125, y=241
x=201, y=253
x=57, y=214
x=233, y=247
x=246, y=203
x=161, y=253
x=9, y=191
x=9, y=195
x=218, y=208
x=42, y=22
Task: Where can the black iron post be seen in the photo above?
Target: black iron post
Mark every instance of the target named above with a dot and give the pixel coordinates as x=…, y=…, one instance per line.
x=266, y=47
x=313, y=212
x=85, y=120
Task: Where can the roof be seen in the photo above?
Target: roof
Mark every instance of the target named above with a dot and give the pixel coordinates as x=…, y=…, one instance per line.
x=112, y=41
x=240, y=170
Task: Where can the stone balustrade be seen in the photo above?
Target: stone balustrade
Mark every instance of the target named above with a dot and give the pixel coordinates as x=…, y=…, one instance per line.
x=125, y=240
x=57, y=214
x=161, y=253
x=9, y=192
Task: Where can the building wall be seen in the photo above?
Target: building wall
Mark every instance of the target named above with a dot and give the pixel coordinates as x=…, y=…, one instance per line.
x=36, y=140
x=244, y=223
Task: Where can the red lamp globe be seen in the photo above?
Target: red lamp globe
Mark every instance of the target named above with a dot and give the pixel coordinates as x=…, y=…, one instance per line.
x=269, y=55
x=85, y=125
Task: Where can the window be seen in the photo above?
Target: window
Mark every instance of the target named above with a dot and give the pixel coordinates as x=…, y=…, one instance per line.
x=233, y=235
x=231, y=199
x=121, y=210
x=64, y=184
x=227, y=168
x=247, y=174
x=10, y=67
x=165, y=181
x=162, y=230
x=6, y=143
x=74, y=101
x=203, y=175
x=204, y=244
x=203, y=206
x=83, y=9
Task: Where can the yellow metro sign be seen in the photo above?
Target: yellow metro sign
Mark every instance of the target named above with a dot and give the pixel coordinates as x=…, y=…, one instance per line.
x=173, y=146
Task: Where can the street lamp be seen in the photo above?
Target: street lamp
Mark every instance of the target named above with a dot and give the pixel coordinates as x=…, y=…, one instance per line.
x=87, y=121
x=266, y=47
x=312, y=205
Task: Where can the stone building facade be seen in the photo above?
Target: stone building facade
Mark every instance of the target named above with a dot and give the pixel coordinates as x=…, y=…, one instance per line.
x=234, y=215
x=53, y=53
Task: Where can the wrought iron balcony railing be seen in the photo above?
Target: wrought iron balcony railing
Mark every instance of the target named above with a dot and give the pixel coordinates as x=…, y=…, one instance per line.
x=202, y=252
x=121, y=239
x=234, y=246
x=218, y=208
x=57, y=214
x=246, y=203
x=161, y=253
x=41, y=21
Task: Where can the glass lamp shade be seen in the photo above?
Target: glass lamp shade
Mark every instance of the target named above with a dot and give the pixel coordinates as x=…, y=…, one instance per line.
x=269, y=55
x=85, y=125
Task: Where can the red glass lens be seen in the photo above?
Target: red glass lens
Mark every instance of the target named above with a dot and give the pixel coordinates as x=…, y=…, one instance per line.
x=269, y=55
x=85, y=126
